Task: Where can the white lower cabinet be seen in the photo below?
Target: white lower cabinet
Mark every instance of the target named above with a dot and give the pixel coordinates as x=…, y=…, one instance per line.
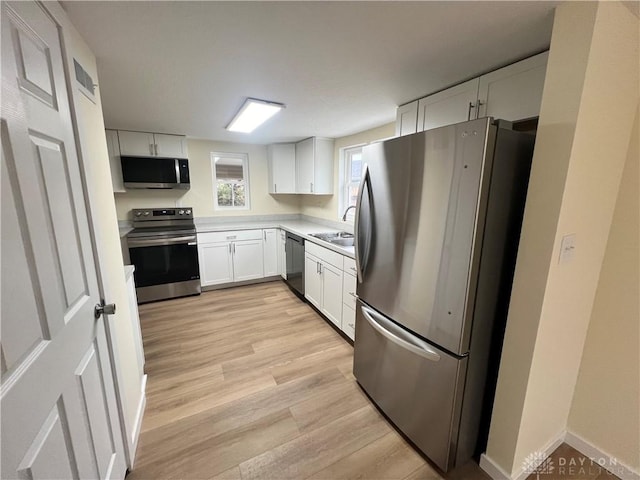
x=323, y=287
x=330, y=285
x=216, y=263
x=349, y=283
x=248, y=260
x=349, y=321
x=227, y=257
x=282, y=253
x=271, y=246
x=312, y=280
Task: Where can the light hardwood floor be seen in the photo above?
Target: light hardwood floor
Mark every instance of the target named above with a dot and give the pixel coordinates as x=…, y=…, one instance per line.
x=251, y=383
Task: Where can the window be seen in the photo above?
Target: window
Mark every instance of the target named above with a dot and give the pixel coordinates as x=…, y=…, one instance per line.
x=230, y=180
x=352, y=172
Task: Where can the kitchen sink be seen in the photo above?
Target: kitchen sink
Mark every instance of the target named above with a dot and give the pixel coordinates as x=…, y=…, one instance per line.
x=343, y=242
x=343, y=239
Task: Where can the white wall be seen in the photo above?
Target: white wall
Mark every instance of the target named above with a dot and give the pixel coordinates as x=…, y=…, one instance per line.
x=93, y=151
x=606, y=402
x=588, y=108
x=200, y=195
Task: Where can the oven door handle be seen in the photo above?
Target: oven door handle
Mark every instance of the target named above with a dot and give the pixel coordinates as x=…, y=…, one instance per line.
x=151, y=242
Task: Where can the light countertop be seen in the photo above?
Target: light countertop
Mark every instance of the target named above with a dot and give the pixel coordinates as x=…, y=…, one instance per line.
x=298, y=227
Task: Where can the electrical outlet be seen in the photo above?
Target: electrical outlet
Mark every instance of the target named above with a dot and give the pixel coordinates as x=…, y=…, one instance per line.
x=567, y=248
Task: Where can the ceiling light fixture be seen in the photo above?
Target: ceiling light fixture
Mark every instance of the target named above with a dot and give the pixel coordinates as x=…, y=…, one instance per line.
x=253, y=114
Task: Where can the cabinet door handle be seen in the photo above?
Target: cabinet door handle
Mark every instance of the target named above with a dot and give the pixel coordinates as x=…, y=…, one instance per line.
x=264, y=235
x=471, y=106
x=311, y=187
x=320, y=265
x=155, y=147
x=229, y=249
x=234, y=248
x=352, y=294
x=151, y=148
x=478, y=108
x=275, y=188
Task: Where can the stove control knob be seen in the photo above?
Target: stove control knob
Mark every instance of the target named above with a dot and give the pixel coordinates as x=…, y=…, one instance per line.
x=146, y=214
x=188, y=212
x=138, y=214
x=180, y=212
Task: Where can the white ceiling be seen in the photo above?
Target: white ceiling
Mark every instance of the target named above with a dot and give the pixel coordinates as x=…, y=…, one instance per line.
x=340, y=67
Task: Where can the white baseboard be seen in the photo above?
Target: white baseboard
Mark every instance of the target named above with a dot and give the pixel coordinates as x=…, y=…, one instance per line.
x=135, y=434
x=492, y=469
x=603, y=459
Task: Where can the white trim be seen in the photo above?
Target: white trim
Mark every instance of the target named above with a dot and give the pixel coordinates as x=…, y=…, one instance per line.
x=343, y=180
x=493, y=469
x=624, y=472
x=245, y=173
x=135, y=434
x=497, y=473
x=594, y=453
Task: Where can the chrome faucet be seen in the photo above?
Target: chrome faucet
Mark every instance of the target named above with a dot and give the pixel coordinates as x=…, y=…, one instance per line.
x=344, y=217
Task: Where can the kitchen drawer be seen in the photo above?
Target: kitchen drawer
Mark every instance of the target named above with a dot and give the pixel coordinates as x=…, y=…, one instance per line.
x=229, y=236
x=349, y=321
x=324, y=254
x=350, y=266
x=349, y=290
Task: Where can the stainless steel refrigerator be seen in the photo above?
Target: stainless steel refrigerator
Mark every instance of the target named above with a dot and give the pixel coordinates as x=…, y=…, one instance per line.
x=437, y=228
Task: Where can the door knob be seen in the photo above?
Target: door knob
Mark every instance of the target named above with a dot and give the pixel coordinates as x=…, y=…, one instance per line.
x=104, y=309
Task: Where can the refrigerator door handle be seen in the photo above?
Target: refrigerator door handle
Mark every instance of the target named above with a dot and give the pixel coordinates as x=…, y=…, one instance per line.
x=356, y=222
x=400, y=338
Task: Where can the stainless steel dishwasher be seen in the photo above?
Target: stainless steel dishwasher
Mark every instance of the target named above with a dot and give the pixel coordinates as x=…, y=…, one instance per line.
x=294, y=248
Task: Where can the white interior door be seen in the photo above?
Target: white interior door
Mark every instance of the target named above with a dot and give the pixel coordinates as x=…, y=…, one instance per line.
x=59, y=414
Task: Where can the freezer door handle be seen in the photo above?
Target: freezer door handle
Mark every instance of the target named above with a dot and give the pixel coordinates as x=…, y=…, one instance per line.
x=399, y=337
x=357, y=232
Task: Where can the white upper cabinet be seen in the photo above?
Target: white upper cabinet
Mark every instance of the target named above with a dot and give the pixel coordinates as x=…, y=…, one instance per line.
x=144, y=144
x=136, y=143
x=282, y=167
x=510, y=93
x=314, y=166
x=170, y=145
x=453, y=105
x=407, y=119
x=113, y=148
x=515, y=91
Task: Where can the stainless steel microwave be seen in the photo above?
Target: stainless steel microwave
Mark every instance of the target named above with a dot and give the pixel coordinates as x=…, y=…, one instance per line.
x=155, y=173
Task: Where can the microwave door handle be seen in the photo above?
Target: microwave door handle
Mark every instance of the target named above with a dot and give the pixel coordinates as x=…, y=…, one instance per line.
x=177, y=171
